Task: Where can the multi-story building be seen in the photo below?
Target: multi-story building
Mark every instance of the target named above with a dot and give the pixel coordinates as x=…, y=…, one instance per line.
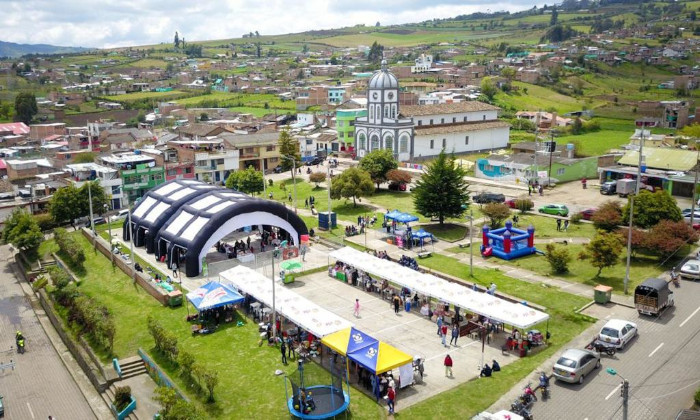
x=259, y=150
x=175, y=167
x=108, y=177
x=345, y=127
x=212, y=159
x=138, y=171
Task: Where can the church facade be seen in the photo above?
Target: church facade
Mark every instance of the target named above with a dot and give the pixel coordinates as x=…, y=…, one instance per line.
x=422, y=131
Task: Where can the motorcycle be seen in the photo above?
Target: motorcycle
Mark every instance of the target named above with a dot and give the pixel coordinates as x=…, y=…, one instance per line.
x=544, y=386
x=601, y=347
x=20, y=345
x=528, y=397
x=675, y=278
x=518, y=408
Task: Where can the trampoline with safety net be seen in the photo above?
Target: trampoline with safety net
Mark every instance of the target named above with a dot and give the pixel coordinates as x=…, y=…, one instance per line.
x=328, y=397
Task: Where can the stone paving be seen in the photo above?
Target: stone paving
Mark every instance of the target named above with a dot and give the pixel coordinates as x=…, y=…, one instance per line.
x=40, y=384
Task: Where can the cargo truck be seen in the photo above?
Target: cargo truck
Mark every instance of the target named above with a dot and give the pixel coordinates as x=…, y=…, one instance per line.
x=625, y=187
x=653, y=296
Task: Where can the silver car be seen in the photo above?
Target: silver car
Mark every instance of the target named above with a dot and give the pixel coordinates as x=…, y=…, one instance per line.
x=575, y=364
x=691, y=270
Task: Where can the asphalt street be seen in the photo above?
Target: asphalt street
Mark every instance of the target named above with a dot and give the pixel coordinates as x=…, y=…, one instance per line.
x=662, y=366
x=40, y=385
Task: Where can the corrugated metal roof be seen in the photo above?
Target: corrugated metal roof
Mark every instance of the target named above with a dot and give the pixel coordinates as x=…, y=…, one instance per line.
x=660, y=158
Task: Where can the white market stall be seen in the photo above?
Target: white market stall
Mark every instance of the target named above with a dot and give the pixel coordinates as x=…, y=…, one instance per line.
x=292, y=306
x=492, y=307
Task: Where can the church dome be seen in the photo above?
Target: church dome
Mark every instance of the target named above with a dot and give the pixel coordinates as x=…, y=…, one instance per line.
x=383, y=79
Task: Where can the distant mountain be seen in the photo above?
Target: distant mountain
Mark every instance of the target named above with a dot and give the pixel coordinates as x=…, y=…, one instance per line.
x=12, y=50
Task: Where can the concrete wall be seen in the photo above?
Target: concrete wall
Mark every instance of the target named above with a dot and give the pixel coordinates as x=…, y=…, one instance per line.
x=495, y=138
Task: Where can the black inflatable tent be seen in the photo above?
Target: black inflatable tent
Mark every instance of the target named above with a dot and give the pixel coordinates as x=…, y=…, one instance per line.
x=207, y=218
x=157, y=206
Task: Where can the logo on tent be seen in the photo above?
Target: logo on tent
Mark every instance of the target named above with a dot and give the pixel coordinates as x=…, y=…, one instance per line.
x=357, y=338
x=371, y=352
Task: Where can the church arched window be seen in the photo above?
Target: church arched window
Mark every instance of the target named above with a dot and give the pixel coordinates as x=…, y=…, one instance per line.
x=374, y=142
x=403, y=144
x=389, y=142
x=362, y=140
x=386, y=111
x=393, y=111
x=371, y=113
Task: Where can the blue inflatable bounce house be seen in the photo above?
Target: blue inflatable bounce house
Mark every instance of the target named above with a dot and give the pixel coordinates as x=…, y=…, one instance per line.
x=508, y=242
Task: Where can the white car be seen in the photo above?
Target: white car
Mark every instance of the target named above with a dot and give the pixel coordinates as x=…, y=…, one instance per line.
x=123, y=214
x=618, y=333
x=691, y=270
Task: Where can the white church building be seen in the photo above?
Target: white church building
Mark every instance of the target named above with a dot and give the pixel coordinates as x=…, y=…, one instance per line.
x=422, y=131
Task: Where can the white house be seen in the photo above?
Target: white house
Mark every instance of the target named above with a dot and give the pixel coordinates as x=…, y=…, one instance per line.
x=109, y=179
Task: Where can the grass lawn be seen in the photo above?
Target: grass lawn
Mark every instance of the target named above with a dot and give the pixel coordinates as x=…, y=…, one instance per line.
x=472, y=397
x=247, y=384
x=128, y=97
x=449, y=232
x=546, y=227
x=581, y=271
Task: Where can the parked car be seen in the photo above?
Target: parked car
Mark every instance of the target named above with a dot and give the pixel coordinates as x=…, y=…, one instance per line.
x=510, y=203
x=315, y=161
x=587, y=214
x=618, y=332
x=696, y=216
x=123, y=214
x=691, y=270
x=278, y=169
x=608, y=188
x=574, y=364
x=555, y=209
x=99, y=221
x=487, y=197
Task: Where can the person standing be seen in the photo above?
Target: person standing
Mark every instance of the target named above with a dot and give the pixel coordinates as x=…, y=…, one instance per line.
x=247, y=242
x=439, y=323
x=289, y=347
x=529, y=189
x=302, y=251
x=174, y=267
x=283, y=350
x=443, y=333
x=448, y=366
x=357, y=308
x=397, y=304
x=541, y=190
x=566, y=225
x=390, y=399
x=455, y=334
x=306, y=203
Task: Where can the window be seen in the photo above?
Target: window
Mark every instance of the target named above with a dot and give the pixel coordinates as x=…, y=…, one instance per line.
x=465, y=118
x=389, y=142
x=386, y=111
x=188, y=170
x=393, y=111
x=442, y=121
x=172, y=172
x=201, y=163
x=403, y=144
x=374, y=143
x=362, y=140
x=454, y=119
x=371, y=112
x=484, y=117
x=561, y=171
x=432, y=144
x=116, y=189
x=431, y=121
x=444, y=143
x=219, y=161
x=271, y=148
x=309, y=141
x=420, y=122
x=466, y=140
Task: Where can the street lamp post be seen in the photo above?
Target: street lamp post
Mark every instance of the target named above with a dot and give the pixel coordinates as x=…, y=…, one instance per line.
x=275, y=253
x=131, y=248
x=695, y=184
x=109, y=228
x=625, y=392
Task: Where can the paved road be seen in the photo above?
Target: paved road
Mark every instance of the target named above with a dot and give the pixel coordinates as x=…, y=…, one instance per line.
x=662, y=366
x=40, y=385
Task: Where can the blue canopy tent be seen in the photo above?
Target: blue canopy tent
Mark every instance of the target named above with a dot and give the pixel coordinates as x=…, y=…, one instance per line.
x=392, y=215
x=213, y=295
x=421, y=235
x=406, y=218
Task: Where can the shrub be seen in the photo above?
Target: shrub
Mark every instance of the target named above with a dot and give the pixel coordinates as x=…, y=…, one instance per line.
x=270, y=182
x=59, y=278
x=697, y=397
x=45, y=221
x=608, y=217
x=558, y=258
x=69, y=247
x=497, y=213
x=122, y=397
x=524, y=205
x=317, y=177
x=40, y=282
x=576, y=218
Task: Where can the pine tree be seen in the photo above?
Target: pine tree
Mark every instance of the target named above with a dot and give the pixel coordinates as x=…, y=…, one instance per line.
x=442, y=191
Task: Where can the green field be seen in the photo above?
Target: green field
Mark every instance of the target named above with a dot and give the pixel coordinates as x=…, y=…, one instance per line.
x=251, y=100
x=407, y=40
x=136, y=96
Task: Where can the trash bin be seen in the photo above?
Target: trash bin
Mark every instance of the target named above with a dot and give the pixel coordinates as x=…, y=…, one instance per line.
x=407, y=305
x=602, y=294
x=175, y=298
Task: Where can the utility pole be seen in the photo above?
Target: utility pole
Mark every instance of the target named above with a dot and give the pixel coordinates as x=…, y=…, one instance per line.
x=92, y=220
x=109, y=227
x=274, y=303
x=551, y=147
x=643, y=124
x=471, y=244
x=695, y=184
x=131, y=248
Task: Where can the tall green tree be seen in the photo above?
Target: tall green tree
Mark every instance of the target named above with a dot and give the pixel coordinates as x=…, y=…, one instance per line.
x=602, y=251
x=651, y=208
x=70, y=203
x=378, y=163
x=25, y=107
x=289, y=150
x=442, y=190
x=249, y=181
x=376, y=52
x=352, y=183
x=488, y=88
x=176, y=41
x=22, y=231
x=555, y=17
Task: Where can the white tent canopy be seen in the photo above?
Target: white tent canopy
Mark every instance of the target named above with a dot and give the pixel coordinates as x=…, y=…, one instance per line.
x=493, y=307
x=292, y=306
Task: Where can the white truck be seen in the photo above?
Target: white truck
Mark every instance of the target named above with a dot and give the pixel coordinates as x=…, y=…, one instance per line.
x=625, y=187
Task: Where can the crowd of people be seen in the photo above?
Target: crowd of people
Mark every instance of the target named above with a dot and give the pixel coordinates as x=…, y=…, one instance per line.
x=409, y=262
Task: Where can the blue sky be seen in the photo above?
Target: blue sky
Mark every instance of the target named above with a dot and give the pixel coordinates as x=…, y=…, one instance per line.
x=112, y=23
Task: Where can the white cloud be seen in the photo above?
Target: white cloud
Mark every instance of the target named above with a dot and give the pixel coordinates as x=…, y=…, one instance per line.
x=112, y=23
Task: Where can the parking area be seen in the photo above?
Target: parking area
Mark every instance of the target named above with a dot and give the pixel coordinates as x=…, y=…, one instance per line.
x=662, y=366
